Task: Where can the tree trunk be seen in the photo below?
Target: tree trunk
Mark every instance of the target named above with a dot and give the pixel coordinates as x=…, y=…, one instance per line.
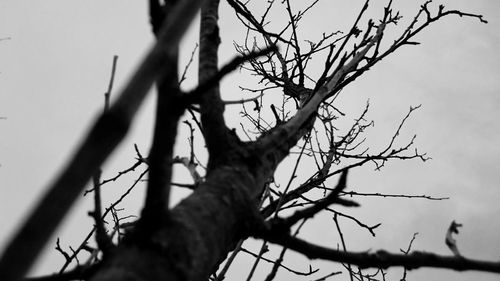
x=196, y=236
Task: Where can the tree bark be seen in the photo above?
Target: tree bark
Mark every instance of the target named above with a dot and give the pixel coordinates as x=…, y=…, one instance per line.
x=196, y=236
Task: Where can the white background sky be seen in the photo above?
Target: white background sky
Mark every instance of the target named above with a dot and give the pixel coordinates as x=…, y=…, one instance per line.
x=55, y=69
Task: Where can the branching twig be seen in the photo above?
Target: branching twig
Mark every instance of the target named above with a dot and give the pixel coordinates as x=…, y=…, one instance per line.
x=320, y=205
x=384, y=195
x=194, y=95
x=103, y=240
x=406, y=252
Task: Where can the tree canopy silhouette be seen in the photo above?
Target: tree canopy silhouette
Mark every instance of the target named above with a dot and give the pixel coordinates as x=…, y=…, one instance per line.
x=234, y=194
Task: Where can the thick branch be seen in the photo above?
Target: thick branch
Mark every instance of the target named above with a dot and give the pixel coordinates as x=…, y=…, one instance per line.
x=156, y=15
x=211, y=106
x=383, y=259
x=102, y=139
x=168, y=112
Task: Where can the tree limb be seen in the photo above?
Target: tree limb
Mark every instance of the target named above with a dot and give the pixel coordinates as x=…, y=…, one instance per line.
x=381, y=258
x=169, y=110
x=216, y=133
x=105, y=134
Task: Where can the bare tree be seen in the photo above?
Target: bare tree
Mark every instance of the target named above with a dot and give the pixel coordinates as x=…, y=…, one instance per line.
x=235, y=196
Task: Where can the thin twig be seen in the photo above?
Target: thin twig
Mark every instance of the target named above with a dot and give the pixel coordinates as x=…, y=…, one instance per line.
x=111, y=81
x=103, y=240
x=193, y=95
x=183, y=76
x=385, y=195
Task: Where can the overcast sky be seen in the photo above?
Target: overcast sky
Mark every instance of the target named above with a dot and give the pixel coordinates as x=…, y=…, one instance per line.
x=55, y=60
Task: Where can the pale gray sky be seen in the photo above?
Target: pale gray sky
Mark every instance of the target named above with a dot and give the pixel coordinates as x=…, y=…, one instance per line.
x=55, y=69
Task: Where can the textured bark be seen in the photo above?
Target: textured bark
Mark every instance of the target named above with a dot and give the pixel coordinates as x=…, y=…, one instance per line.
x=196, y=236
x=191, y=240
x=217, y=136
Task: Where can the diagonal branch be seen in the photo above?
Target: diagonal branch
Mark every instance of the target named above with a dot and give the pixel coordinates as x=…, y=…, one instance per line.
x=105, y=134
x=320, y=205
x=195, y=95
